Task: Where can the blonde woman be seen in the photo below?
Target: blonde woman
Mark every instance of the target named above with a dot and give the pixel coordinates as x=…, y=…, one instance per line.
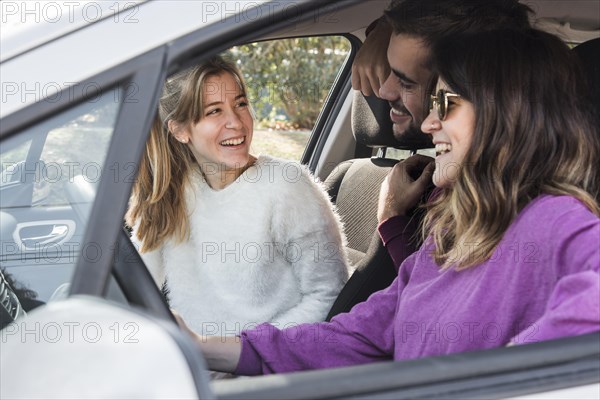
x=238, y=240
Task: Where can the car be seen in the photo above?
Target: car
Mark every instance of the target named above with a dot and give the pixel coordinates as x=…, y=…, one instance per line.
x=81, y=315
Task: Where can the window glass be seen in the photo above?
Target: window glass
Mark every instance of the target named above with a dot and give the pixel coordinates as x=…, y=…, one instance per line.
x=77, y=148
x=288, y=83
x=10, y=156
x=47, y=186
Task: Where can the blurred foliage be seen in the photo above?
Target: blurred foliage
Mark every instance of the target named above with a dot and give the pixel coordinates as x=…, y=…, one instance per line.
x=289, y=79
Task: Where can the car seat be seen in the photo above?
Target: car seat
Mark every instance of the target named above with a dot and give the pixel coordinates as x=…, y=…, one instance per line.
x=354, y=187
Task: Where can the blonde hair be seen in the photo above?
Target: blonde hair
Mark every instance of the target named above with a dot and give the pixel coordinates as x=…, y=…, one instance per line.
x=157, y=204
x=534, y=134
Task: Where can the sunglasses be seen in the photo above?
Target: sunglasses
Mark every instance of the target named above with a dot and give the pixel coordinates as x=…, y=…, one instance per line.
x=439, y=101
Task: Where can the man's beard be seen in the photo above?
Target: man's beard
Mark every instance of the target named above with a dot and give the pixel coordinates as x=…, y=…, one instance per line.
x=413, y=138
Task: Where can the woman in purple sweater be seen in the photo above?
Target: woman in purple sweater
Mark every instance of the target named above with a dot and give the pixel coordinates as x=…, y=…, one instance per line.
x=512, y=249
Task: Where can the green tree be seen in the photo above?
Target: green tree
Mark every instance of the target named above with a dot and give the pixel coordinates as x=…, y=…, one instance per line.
x=290, y=77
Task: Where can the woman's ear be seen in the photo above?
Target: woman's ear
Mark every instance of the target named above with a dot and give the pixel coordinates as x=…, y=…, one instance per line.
x=178, y=131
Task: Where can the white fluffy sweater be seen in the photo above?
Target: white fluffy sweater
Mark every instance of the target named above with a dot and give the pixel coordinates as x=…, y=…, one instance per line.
x=267, y=248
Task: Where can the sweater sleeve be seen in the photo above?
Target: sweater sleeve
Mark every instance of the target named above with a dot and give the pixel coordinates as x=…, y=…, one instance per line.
x=398, y=237
x=363, y=335
x=573, y=307
x=575, y=238
x=314, y=239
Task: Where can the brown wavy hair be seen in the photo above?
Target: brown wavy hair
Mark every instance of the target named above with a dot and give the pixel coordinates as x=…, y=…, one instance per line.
x=534, y=134
x=157, y=205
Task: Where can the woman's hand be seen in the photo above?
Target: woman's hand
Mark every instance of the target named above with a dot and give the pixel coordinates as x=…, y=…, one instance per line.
x=182, y=324
x=404, y=186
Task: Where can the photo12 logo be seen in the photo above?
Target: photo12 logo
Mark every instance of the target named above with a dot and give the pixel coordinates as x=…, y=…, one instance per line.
x=28, y=12
x=71, y=332
x=273, y=11
x=53, y=92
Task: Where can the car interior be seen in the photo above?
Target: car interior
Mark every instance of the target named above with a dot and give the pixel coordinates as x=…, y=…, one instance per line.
x=348, y=150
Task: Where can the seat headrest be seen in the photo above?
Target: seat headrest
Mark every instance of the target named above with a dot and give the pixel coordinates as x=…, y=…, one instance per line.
x=589, y=56
x=372, y=126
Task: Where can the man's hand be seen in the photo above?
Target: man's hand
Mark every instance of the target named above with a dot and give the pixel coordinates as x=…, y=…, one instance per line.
x=404, y=186
x=371, y=68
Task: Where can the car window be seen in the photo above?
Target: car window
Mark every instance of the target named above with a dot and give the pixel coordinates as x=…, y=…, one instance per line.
x=66, y=153
x=288, y=83
x=47, y=185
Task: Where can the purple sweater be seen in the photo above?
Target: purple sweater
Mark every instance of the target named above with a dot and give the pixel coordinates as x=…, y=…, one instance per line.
x=541, y=283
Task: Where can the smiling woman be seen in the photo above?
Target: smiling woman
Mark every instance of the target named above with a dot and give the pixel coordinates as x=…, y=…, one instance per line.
x=454, y=141
x=236, y=239
x=220, y=139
